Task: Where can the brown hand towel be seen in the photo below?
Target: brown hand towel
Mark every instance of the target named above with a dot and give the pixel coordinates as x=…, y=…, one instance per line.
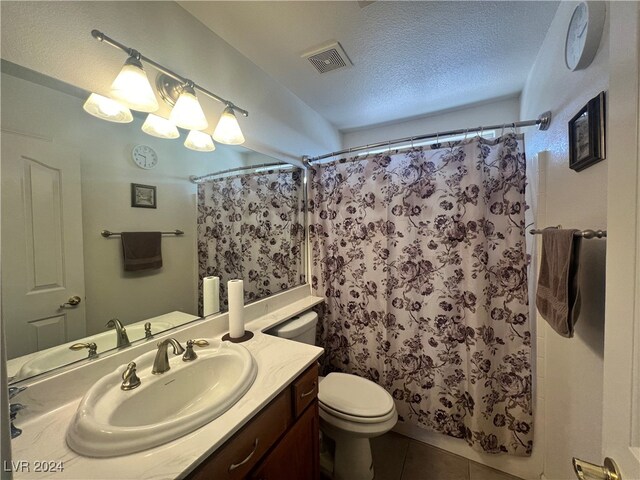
x=558, y=295
x=141, y=250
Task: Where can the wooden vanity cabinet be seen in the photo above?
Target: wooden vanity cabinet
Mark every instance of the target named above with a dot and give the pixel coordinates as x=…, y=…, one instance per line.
x=296, y=456
x=280, y=443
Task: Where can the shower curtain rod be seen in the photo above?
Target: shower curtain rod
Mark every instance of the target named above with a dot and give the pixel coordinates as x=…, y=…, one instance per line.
x=542, y=122
x=208, y=176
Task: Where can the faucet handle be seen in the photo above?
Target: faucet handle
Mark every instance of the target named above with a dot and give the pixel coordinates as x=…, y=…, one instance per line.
x=147, y=330
x=14, y=408
x=130, y=379
x=190, y=355
x=13, y=391
x=93, y=348
x=15, y=431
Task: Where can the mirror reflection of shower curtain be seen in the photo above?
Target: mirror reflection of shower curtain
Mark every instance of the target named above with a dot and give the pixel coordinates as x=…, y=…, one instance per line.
x=251, y=227
x=421, y=256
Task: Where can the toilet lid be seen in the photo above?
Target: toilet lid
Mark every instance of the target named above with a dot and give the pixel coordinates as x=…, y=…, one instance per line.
x=355, y=396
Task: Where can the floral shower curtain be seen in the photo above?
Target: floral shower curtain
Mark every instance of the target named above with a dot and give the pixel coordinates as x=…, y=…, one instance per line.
x=420, y=255
x=251, y=227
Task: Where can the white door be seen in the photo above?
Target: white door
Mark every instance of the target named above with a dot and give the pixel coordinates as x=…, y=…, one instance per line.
x=42, y=258
x=621, y=409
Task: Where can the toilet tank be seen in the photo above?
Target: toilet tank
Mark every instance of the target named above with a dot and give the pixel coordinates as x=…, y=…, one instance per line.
x=301, y=328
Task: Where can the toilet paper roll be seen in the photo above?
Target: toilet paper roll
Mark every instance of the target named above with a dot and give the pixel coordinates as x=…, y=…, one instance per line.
x=210, y=295
x=236, y=308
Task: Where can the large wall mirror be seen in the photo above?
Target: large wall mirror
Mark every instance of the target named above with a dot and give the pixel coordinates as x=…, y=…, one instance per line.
x=67, y=177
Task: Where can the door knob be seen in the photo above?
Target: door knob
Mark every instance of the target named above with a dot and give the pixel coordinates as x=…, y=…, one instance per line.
x=589, y=471
x=72, y=302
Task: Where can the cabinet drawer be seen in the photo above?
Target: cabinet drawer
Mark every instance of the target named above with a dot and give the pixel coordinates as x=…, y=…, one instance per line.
x=305, y=389
x=243, y=451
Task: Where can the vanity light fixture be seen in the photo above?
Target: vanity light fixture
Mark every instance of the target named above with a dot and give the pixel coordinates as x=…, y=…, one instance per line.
x=132, y=88
x=228, y=131
x=199, y=141
x=187, y=112
x=107, y=109
x=160, y=127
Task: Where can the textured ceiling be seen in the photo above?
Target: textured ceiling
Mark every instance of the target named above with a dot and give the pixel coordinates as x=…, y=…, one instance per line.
x=409, y=58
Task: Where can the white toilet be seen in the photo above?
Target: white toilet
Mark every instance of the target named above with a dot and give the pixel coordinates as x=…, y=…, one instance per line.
x=352, y=409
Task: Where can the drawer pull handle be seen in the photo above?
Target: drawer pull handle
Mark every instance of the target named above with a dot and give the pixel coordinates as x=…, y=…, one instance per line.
x=313, y=389
x=236, y=465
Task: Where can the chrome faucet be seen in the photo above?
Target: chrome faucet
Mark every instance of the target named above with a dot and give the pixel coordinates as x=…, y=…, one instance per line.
x=161, y=363
x=121, y=332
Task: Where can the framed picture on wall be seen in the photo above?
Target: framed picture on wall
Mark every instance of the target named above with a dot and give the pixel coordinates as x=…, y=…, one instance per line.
x=143, y=196
x=587, y=134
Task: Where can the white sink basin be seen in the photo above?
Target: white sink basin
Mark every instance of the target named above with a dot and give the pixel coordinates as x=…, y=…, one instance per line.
x=61, y=355
x=111, y=422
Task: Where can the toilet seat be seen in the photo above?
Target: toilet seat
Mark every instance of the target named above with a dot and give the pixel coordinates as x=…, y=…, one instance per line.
x=351, y=418
x=355, y=399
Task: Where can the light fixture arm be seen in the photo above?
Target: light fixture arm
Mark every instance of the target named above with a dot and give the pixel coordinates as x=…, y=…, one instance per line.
x=101, y=37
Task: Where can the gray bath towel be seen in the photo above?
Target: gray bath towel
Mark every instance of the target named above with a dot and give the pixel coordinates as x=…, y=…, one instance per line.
x=558, y=295
x=141, y=250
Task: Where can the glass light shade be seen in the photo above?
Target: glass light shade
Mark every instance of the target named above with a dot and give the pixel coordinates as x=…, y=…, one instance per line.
x=187, y=112
x=107, y=109
x=132, y=87
x=228, y=131
x=199, y=141
x=159, y=127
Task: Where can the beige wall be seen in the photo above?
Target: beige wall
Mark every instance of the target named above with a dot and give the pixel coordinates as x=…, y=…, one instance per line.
x=494, y=112
x=570, y=370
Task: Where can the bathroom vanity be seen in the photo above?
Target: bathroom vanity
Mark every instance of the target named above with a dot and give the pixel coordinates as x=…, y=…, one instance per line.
x=269, y=433
x=281, y=442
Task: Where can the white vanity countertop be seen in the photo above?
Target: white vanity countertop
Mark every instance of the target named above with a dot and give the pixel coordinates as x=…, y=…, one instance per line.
x=279, y=362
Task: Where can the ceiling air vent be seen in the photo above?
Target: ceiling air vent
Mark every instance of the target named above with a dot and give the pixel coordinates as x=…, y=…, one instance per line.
x=328, y=57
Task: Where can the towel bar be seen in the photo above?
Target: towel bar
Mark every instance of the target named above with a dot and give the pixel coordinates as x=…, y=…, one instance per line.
x=582, y=233
x=107, y=233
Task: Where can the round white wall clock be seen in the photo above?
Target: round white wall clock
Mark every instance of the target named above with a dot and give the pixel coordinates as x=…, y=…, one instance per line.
x=144, y=156
x=584, y=34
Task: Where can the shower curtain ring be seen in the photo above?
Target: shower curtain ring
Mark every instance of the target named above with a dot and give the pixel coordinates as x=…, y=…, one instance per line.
x=481, y=130
x=411, y=143
x=513, y=127
x=438, y=138
x=466, y=132
x=502, y=133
